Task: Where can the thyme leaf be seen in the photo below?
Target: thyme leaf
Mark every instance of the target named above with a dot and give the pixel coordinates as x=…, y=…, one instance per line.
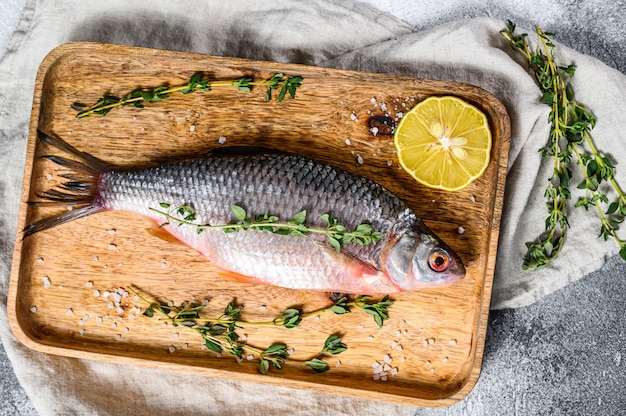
x=220, y=333
x=569, y=144
x=337, y=234
x=139, y=96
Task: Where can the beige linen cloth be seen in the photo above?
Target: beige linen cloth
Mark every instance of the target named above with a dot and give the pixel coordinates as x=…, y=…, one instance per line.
x=324, y=33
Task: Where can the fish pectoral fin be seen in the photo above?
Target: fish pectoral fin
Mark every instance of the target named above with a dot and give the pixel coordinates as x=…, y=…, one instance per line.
x=353, y=265
x=238, y=277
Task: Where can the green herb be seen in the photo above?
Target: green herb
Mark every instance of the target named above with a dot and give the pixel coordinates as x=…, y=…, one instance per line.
x=570, y=142
x=138, y=97
x=220, y=333
x=337, y=234
x=332, y=346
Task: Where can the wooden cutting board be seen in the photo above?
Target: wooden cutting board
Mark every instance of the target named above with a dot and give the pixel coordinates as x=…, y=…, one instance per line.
x=433, y=337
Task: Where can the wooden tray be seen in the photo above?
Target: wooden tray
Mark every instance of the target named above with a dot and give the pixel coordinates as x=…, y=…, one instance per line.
x=434, y=337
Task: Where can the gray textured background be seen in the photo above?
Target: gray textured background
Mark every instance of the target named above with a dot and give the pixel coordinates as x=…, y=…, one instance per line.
x=564, y=355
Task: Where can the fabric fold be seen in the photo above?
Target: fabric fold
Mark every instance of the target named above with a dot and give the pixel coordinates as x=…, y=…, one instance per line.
x=337, y=34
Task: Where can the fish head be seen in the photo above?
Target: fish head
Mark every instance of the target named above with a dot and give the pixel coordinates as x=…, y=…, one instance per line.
x=418, y=259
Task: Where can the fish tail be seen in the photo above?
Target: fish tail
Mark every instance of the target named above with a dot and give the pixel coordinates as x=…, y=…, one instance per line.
x=78, y=194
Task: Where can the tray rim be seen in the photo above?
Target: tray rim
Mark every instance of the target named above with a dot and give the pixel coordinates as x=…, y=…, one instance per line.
x=492, y=240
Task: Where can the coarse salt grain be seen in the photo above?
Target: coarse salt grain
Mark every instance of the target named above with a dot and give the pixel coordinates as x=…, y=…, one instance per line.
x=460, y=230
x=81, y=332
x=374, y=130
x=338, y=363
x=348, y=142
x=290, y=351
x=69, y=312
x=96, y=292
x=33, y=309
x=388, y=359
x=452, y=342
x=370, y=338
x=445, y=359
x=171, y=349
x=175, y=336
x=192, y=128
x=473, y=198
x=99, y=319
x=431, y=341
x=399, y=347
x=39, y=260
x=250, y=357
x=46, y=282
x=359, y=159
x=353, y=116
x=95, y=258
x=221, y=140
x=118, y=337
x=393, y=344
x=49, y=176
x=112, y=247
x=111, y=231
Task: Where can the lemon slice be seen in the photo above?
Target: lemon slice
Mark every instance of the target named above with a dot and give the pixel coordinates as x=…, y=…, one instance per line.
x=444, y=143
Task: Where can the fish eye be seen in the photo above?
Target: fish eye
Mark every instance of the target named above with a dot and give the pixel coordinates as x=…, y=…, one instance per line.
x=439, y=260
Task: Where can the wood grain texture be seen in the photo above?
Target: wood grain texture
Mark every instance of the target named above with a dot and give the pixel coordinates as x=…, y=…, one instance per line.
x=441, y=331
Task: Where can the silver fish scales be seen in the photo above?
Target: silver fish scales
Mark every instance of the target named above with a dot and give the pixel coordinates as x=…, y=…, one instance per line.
x=408, y=257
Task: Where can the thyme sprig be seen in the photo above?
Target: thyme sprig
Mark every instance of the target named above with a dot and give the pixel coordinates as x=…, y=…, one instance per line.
x=139, y=96
x=337, y=234
x=570, y=142
x=220, y=333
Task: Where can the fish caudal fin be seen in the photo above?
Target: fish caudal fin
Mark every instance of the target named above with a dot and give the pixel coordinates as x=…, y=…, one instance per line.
x=78, y=193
